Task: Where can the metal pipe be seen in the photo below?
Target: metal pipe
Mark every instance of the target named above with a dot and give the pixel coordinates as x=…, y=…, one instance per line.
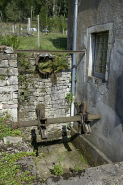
x=74, y=56
x=46, y=51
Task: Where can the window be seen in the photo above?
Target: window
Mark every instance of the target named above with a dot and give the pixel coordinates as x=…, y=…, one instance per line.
x=100, y=55
x=99, y=39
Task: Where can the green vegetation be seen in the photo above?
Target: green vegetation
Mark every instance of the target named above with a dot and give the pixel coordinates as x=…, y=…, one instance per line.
x=9, y=40
x=69, y=98
x=6, y=130
x=58, y=169
x=53, y=66
x=24, y=67
x=76, y=168
x=2, y=77
x=11, y=173
x=20, y=10
x=83, y=159
x=51, y=41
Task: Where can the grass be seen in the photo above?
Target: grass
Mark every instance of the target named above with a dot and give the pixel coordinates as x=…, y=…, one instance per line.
x=51, y=41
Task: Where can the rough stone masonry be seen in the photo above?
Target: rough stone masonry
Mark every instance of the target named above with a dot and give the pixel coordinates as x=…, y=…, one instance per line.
x=42, y=90
x=8, y=82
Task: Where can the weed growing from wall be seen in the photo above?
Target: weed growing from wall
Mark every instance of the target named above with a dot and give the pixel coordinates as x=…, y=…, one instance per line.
x=5, y=130
x=23, y=80
x=58, y=169
x=69, y=98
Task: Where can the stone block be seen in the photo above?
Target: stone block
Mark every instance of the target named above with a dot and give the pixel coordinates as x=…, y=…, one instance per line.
x=61, y=96
x=2, y=82
x=4, y=63
x=12, y=140
x=4, y=57
x=13, y=63
x=9, y=106
x=15, y=95
x=13, y=71
x=3, y=71
x=1, y=106
x=13, y=113
x=13, y=56
x=32, y=61
x=12, y=80
x=8, y=50
x=40, y=99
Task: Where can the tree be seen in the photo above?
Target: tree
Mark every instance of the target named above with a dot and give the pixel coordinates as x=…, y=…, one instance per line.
x=11, y=11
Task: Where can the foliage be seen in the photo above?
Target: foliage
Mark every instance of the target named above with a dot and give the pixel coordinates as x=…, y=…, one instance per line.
x=23, y=79
x=53, y=66
x=69, y=98
x=9, y=40
x=76, y=168
x=2, y=77
x=75, y=78
x=11, y=11
x=10, y=172
x=58, y=23
x=58, y=169
x=21, y=9
x=6, y=130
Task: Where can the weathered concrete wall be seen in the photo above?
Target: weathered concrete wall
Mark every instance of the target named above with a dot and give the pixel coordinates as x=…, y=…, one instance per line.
x=8, y=82
x=103, y=97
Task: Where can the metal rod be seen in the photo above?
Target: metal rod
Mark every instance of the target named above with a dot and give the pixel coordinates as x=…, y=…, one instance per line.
x=47, y=51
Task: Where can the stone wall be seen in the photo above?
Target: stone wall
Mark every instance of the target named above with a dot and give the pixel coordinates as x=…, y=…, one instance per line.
x=42, y=91
x=8, y=82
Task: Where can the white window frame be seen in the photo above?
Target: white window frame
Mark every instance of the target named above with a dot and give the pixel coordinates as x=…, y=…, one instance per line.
x=91, y=48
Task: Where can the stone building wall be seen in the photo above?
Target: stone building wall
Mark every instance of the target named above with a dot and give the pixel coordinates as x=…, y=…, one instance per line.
x=103, y=96
x=8, y=82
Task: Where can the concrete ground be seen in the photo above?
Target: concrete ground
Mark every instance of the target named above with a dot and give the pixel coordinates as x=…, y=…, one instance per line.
x=49, y=155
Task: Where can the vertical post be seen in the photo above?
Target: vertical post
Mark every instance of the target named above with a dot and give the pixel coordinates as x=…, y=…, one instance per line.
x=31, y=12
x=63, y=31
x=74, y=56
x=38, y=33
x=29, y=25
x=13, y=30
x=19, y=29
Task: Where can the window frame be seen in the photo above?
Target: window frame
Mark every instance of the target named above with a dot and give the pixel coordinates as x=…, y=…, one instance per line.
x=90, y=54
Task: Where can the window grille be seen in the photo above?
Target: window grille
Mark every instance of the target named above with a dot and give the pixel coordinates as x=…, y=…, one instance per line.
x=101, y=49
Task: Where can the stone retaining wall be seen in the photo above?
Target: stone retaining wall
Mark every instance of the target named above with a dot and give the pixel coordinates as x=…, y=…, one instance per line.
x=8, y=82
x=42, y=91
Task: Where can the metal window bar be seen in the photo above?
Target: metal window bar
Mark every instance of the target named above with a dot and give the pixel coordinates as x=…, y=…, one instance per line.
x=101, y=49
